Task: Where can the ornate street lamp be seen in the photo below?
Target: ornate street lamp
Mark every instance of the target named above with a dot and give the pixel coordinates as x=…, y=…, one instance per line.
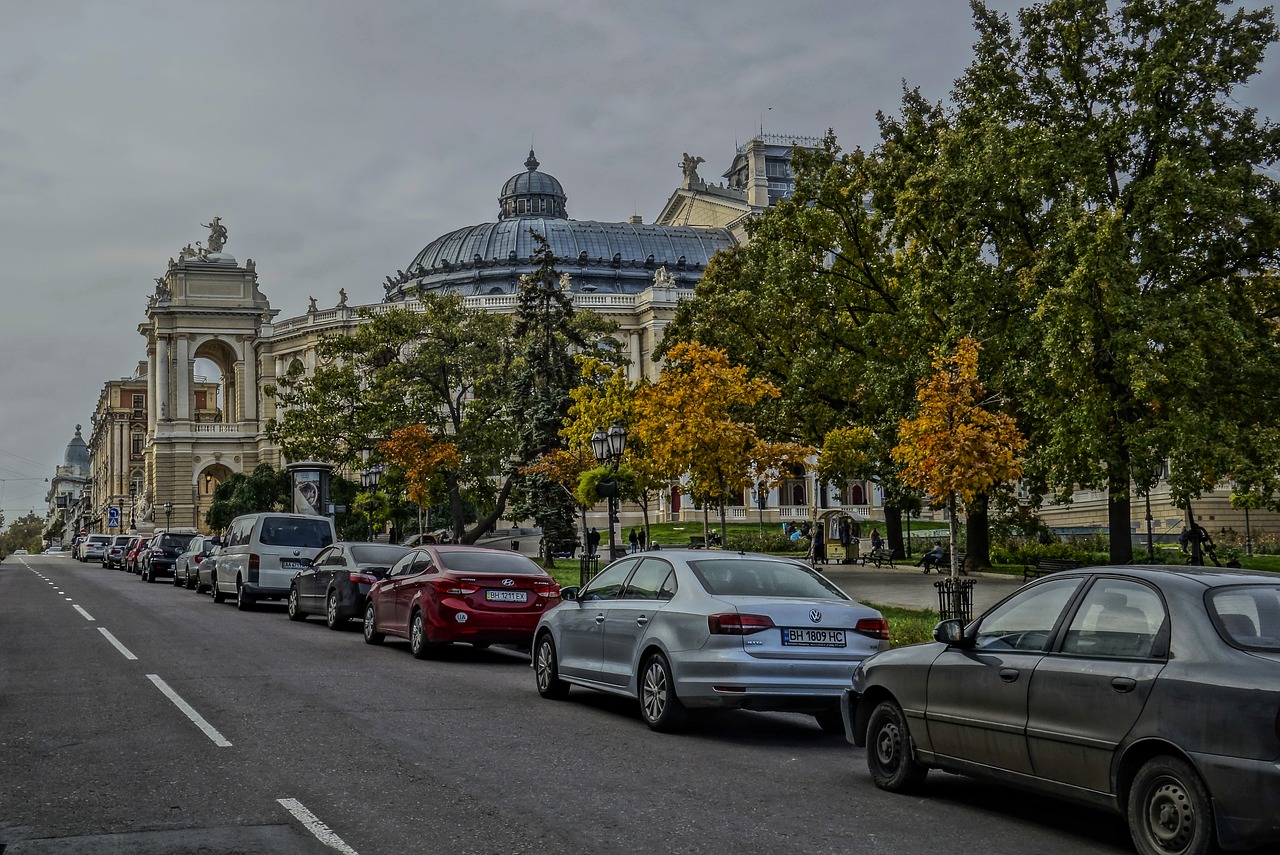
x=762, y=499
x=168, y=512
x=369, y=480
x=608, y=448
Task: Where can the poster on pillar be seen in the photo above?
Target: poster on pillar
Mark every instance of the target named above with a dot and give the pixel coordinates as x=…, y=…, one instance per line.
x=310, y=489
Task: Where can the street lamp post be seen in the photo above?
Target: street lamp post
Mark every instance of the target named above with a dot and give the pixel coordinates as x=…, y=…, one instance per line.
x=369, y=480
x=607, y=448
x=168, y=512
x=120, y=515
x=762, y=499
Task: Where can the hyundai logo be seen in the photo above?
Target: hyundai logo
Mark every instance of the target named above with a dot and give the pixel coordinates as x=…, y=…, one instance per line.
x=815, y=615
x=507, y=583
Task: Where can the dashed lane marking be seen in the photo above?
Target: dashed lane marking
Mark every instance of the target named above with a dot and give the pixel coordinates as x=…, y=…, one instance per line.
x=87, y=616
x=196, y=719
x=115, y=642
x=322, y=832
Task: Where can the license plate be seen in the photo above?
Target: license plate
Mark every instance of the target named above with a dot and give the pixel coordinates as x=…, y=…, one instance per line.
x=507, y=596
x=294, y=565
x=813, y=637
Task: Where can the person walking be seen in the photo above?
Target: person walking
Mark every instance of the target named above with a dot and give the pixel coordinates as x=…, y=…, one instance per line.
x=640, y=534
x=634, y=540
x=876, y=542
x=593, y=541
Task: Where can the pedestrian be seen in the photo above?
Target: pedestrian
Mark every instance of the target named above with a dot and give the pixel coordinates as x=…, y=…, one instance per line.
x=641, y=536
x=876, y=542
x=634, y=540
x=593, y=541
x=819, y=543
x=1184, y=540
x=932, y=560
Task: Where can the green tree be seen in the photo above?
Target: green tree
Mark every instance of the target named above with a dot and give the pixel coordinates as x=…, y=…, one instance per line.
x=264, y=489
x=23, y=533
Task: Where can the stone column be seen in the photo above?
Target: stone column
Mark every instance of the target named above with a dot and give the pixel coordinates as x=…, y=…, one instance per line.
x=153, y=405
x=635, y=370
x=182, y=367
x=163, y=405
x=250, y=390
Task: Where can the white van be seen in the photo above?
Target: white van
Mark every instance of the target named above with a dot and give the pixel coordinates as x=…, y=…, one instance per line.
x=262, y=552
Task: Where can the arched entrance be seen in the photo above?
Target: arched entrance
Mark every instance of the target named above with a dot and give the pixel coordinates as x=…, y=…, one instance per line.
x=214, y=362
x=207, y=480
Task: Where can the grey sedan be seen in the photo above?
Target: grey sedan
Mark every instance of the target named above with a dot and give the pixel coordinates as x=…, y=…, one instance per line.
x=692, y=628
x=1152, y=692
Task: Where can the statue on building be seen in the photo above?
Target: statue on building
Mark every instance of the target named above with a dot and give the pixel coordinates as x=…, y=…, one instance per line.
x=217, y=234
x=311, y=306
x=342, y=298
x=689, y=166
x=249, y=265
x=663, y=279
x=188, y=251
x=162, y=290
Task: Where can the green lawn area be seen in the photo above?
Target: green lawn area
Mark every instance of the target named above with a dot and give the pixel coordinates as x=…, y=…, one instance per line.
x=908, y=626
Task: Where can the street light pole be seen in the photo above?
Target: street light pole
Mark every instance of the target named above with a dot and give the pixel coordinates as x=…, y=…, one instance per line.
x=168, y=512
x=607, y=448
x=369, y=480
x=762, y=499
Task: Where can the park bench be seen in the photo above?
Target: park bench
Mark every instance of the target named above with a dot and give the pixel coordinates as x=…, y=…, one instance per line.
x=944, y=566
x=878, y=557
x=1045, y=566
x=697, y=541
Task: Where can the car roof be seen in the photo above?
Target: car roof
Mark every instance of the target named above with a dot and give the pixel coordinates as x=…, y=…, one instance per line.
x=1211, y=577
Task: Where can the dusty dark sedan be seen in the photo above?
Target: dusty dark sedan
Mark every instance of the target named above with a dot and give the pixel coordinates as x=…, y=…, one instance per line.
x=1154, y=692
x=338, y=580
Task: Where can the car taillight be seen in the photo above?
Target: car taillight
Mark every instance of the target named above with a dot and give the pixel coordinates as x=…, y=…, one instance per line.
x=254, y=561
x=733, y=623
x=547, y=590
x=199, y=558
x=361, y=578
x=453, y=586
x=875, y=627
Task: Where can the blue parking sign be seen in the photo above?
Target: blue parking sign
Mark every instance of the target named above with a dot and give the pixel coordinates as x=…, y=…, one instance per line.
x=113, y=517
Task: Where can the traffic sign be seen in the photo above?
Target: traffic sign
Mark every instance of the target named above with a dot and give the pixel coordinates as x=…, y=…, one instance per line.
x=113, y=517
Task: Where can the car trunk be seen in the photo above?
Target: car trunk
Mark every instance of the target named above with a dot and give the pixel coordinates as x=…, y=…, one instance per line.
x=806, y=629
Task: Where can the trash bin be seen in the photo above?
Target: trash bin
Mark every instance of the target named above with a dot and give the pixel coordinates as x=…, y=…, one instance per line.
x=955, y=599
x=515, y=546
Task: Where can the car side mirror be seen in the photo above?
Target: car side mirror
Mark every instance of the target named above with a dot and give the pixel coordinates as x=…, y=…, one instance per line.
x=569, y=593
x=951, y=632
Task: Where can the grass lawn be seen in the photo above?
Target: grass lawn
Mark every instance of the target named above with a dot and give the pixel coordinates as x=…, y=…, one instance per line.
x=908, y=626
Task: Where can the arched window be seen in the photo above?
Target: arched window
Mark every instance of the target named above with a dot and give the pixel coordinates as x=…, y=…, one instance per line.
x=857, y=496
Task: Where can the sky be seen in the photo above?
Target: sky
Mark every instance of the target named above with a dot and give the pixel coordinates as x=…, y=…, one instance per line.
x=336, y=139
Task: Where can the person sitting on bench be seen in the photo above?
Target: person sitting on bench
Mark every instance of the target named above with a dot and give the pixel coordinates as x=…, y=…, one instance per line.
x=932, y=560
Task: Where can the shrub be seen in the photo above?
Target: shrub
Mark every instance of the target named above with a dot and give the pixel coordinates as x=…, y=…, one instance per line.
x=767, y=542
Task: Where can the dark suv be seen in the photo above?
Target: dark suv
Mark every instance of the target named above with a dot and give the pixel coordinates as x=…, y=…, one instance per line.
x=164, y=550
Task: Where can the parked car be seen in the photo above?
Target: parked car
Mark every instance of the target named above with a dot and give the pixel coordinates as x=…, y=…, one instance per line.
x=113, y=554
x=440, y=594
x=54, y=550
x=135, y=550
x=186, y=567
x=92, y=547
x=338, y=581
x=262, y=552
x=689, y=628
x=1151, y=692
x=162, y=553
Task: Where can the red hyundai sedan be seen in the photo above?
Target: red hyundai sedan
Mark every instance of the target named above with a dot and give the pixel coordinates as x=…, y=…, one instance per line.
x=439, y=594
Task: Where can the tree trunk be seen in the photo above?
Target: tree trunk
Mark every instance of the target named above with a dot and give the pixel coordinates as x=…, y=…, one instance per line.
x=724, y=529
x=706, y=526
x=953, y=528
x=893, y=531
x=457, y=512
x=978, y=533
x=1119, y=539
x=644, y=506
x=493, y=516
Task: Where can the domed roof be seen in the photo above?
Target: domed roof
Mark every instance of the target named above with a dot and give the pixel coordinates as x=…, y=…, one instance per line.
x=77, y=452
x=531, y=192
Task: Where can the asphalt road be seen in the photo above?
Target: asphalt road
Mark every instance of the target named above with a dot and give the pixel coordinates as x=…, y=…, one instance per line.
x=298, y=733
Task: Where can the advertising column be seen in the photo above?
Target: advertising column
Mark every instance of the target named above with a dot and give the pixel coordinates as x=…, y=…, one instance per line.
x=310, y=481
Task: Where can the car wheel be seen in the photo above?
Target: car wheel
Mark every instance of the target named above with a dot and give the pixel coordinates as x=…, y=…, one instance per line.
x=178, y=582
x=889, y=751
x=244, y=602
x=1170, y=812
x=331, y=618
x=191, y=583
x=371, y=634
x=659, y=706
x=830, y=721
x=149, y=576
x=547, y=672
x=218, y=596
x=295, y=608
x=419, y=643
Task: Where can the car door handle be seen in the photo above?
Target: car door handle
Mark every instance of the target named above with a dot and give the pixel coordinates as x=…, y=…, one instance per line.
x=600, y=618
x=642, y=620
x=1124, y=684
x=1009, y=675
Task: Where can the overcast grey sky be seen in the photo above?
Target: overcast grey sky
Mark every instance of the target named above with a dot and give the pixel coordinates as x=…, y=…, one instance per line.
x=336, y=139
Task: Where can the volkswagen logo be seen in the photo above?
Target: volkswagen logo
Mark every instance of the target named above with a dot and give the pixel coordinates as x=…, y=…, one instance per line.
x=815, y=615
x=507, y=583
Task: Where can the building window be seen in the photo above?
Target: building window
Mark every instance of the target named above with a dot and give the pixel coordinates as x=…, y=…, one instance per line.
x=519, y=206
x=138, y=441
x=135, y=486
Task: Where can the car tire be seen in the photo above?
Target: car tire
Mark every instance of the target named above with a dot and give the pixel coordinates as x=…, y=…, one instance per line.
x=546, y=670
x=244, y=602
x=420, y=644
x=149, y=576
x=177, y=583
x=890, y=753
x=659, y=706
x=218, y=596
x=1169, y=810
x=191, y=583
x=331, y=617
x=371, y=634
x=294, y=607
x=830, y=721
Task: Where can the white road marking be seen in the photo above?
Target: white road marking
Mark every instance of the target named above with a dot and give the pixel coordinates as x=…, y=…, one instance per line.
x=218, y=739
x=321, y=831
x=68, y=599
x=115, y=642
x=87, y=616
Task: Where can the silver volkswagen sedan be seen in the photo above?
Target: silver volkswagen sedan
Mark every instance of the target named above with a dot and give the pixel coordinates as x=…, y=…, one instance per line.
x=1153, y=692
x=695, y=628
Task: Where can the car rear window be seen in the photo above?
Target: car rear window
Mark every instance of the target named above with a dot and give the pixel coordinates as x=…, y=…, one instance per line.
x=1248, y=615
x=490, y=561
x=381, y=555
x=738, y=577
x=175, y=541
x=304, y=533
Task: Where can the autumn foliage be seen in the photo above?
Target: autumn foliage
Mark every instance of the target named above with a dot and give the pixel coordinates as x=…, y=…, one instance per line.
x=422, y=456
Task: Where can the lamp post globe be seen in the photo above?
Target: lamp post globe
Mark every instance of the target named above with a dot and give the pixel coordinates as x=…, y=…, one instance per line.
x=600, y=446
x=168, y=512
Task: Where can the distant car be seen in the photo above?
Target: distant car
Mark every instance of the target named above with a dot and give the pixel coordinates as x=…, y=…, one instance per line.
x=1151, y=692
x=113, y=555
x=207, y=571
x=54, y=550
x=92, y=547
x=691, y=628
x=21, y=552
x=135, y=549
x=338, y=581
x=186, y=568
x=162, y=553
x=440, y=594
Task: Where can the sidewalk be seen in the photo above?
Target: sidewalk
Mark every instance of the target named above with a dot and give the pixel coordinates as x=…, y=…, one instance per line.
x=907, y=587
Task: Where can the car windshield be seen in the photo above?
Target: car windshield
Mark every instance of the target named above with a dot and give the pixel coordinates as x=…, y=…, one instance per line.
x=383, y=556
x=176, y=541
x=1248, y=615
x=738, y=577
x=305, y=533
x=490, y=561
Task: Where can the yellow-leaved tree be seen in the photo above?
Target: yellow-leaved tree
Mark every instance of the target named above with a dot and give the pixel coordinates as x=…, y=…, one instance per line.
x=696, y=420
x=423, y=457
x=953, y=447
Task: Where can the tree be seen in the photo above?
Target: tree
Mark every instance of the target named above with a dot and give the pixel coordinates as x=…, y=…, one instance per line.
x=22, y=533
x=953, y=448
x=444, y=367
x=696, y=420
x=264, y=489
